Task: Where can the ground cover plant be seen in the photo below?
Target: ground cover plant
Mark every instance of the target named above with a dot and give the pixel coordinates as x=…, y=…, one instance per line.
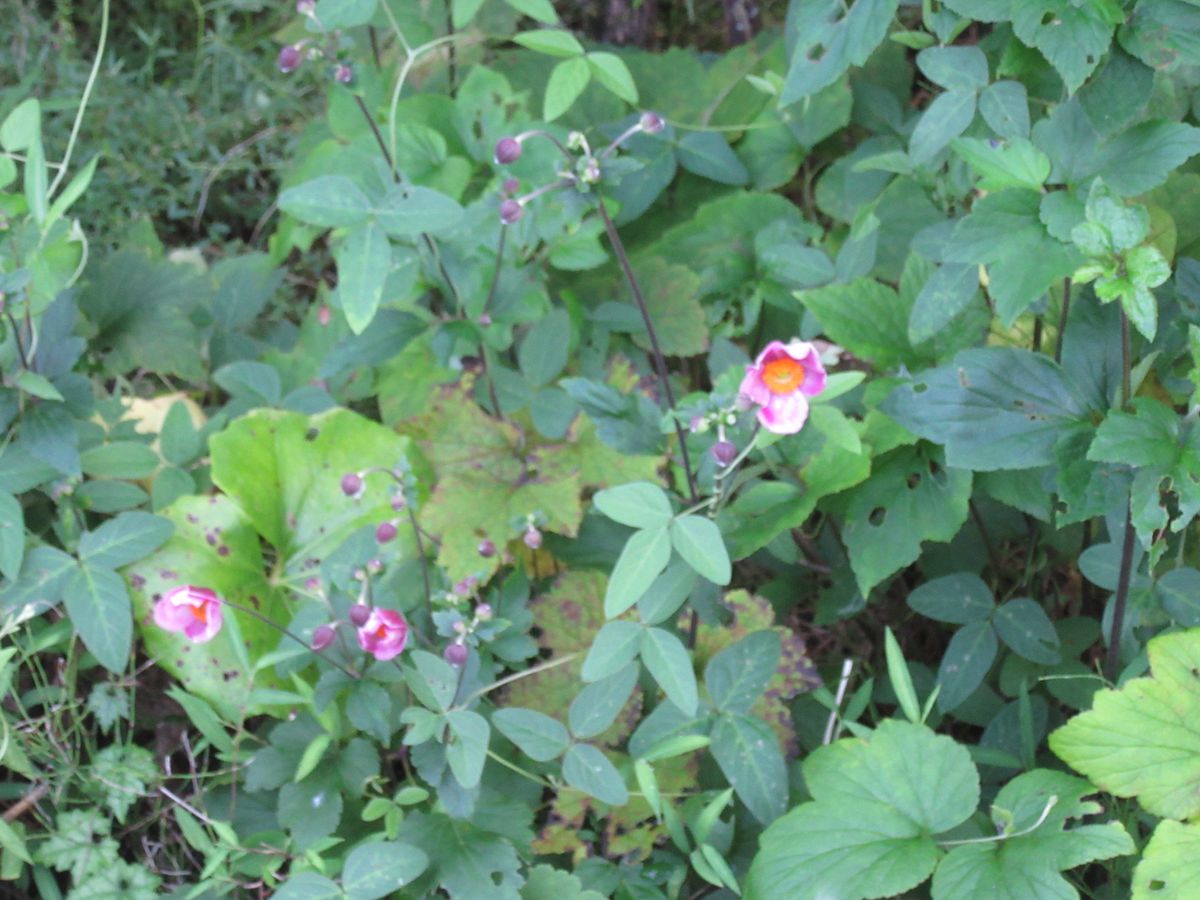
x=499, y=448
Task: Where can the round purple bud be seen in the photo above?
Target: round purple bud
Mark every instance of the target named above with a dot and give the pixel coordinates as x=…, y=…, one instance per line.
x=322, y=637
x=343, y=74
x=290, y=59
x=510, y=186
x=652, y=122
x=508, y=151
x=484, y=612
x=487, y=548
x=455, y=654
x=352, y=484
x=724, y=452
x=532, y=538
x=358, y=614
x=510, y=211
x=385, y=532
x=305, y=7
x=399, y=501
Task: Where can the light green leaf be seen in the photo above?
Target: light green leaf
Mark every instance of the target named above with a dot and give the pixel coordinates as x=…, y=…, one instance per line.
x=329, y=201
x=124, y=539
x=671, y=665
x=610, y=70
x=1004, y=105
x=381, y=868
x=363, y=262
x=467, y=750
x=410, y=210
x=544, y=351
x=542, y=10
x=645, y=555
x=708, y=154
x=1170, y=864
x=955, y=68
x=613, y=648
x=538, y=736
x=586, y=768
x=463, y=11
x=97, y=603
x=12, y=536
x=946, y=293
x=698, y=540
x=551, y=41
x=638, y=504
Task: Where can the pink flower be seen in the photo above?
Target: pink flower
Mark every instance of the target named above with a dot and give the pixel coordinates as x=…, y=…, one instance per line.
x=780, y=382
x=195, y=611
x=383, y=634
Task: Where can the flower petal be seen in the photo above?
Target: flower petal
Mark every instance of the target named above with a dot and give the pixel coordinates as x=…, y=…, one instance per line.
x=753, y=388
x=785, y=414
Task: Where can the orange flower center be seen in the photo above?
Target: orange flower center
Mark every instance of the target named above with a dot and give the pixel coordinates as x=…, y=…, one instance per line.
x=381, y=632
x=783, y=375
x=200, y=611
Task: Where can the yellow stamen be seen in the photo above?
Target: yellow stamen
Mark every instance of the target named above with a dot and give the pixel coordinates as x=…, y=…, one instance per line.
x=783, y=375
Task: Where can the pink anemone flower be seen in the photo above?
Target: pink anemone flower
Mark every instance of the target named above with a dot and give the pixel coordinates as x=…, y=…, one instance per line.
x=193, y=611
x=780, y=382
x=383, y=634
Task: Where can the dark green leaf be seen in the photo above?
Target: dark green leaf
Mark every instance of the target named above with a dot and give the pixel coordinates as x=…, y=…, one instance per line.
x=380, y=869
x=707, y=153
x=671, y=665
x=125, y=539
x=737, y=676
x=538, y=736
x=748, y=753
x=1024, y=626
x=967, y=659
x=959, y=599
x=97, y=603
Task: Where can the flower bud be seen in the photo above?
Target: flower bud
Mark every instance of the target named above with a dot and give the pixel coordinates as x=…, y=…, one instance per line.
x=511, y=211
x=508, y=151
x=467, y=586
x=724, y=452
x=358, y=614
x=322, y=637
x=510, y=186
x=289, y=59
x=385, y=532
x=455, y=654
x=532, y=538
x=487, y=548
x=352, y=485
x=651, y=122
x=484, y=612
x=343, y=74
x=305, y=7
x=399, y=501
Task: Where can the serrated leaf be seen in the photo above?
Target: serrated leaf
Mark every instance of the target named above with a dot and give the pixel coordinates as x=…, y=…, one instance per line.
x=1170, y=863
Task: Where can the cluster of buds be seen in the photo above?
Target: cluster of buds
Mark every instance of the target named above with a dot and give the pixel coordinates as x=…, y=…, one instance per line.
x=293, y=55
x=456, y=653
x=583, y=166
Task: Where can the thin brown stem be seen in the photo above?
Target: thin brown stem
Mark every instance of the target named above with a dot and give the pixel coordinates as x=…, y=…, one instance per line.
x=660, y=362
x=412, y=518
x=1063, y=313
x=255, y=614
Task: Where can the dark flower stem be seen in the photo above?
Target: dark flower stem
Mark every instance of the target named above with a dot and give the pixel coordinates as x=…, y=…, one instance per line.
x=1064, y=312
x=412, y=518
x=1126, y=570
x=660, y=362
x=255, y=614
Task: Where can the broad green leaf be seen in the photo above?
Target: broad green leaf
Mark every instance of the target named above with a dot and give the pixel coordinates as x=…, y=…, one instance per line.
x=586, y=768
x=959, y=599
x=1035, y=808
x=595, y=708
x=946, y=293
x=1015, y=163
x=544, y=882
x=1143, y=740
x=610, y=70
x=1149, y=436
x=992, y=408
x=644, y=556
x=120, y=459
x=1024, y=626
x=911, y=497
x=311, y=809
x=869, y=830
x=44, y=571
x=965, y=663
x=567, y=81
x=955, y=68
x=22, y=126
x=943, y=120
x=97, y=603
x=544, y=351
x=672, y=298
x=864, y=316
x=12, y=536
x=747, y=751
x=668, y=592
x=381, y=868
x=463, y=11
x=737, y=676
x=410, y=210
x=612, y=649
x=542, y=10
x=345, y=13
x=638, y=504
x=363, y=262
x=72, y=192
x=538, y=736
x=698, y=540
x=466, y=860
x=708, y=154
x=671, y=665
x=308, y=886
x=1004, y=105
x=466, y=749
x=328, y=201
x=124, y=539
x=829, y=40
x=435, y=677
x=35, y=180
x=1072, y=38
x=179, y=441
x=1170, y=865
x=551, y=41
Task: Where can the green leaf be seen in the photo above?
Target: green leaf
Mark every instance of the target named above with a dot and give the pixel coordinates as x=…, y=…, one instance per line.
x=992, y=408
x=337, y=14
x=124, y=539
x=567, y=81
x=434, y=677
x=1140, y=158
x=747, y=751
x=1031, y=813
x=1170, y=863
x=1024, y=626
x=310, y=809
x=613, y=648
x=1143, y=740
x=308, y=886
x=121, y=459
x=12, y=843
x=671, y=665
x=596, y=707
x=960, y=599
x=1072, y=38
x=1004, y=105
x=828, y=40
x=664, y=597
x=644, y=556
x=179, y=441
x=12, y=536
x=363, y=262
x=22, y=126
x=329, y=201
x=708, y=154
x=551, y=41
x=869, y=830
x=965, y=663
x=946, y=293
x=698, y=540
x=467, y=861
x=911, y=497
x=44, y=571
x=864, y=316
x=463, y=11
x=943, y=120
x=538, y=736
x=610, y=70
x=97, y=603
x=638, y=504
x=586, y=768
x=548, y=883
x=955, y=68
x=672, y=299
x=72, y=192
x=467, y=750
x=544, y=351
x=542, y=10
x=1016, y=163
x=900, y=678
x=35, y=180
x=737, y=676
x=36, y=385
x=410, y=210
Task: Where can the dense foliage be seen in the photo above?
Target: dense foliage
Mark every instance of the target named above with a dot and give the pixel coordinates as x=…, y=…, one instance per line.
x=453, y=452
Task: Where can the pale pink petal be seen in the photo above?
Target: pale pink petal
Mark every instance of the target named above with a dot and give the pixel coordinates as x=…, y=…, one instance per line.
x=753, y=387
x=785, y=414
x=171, y=617
x=773, y=350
